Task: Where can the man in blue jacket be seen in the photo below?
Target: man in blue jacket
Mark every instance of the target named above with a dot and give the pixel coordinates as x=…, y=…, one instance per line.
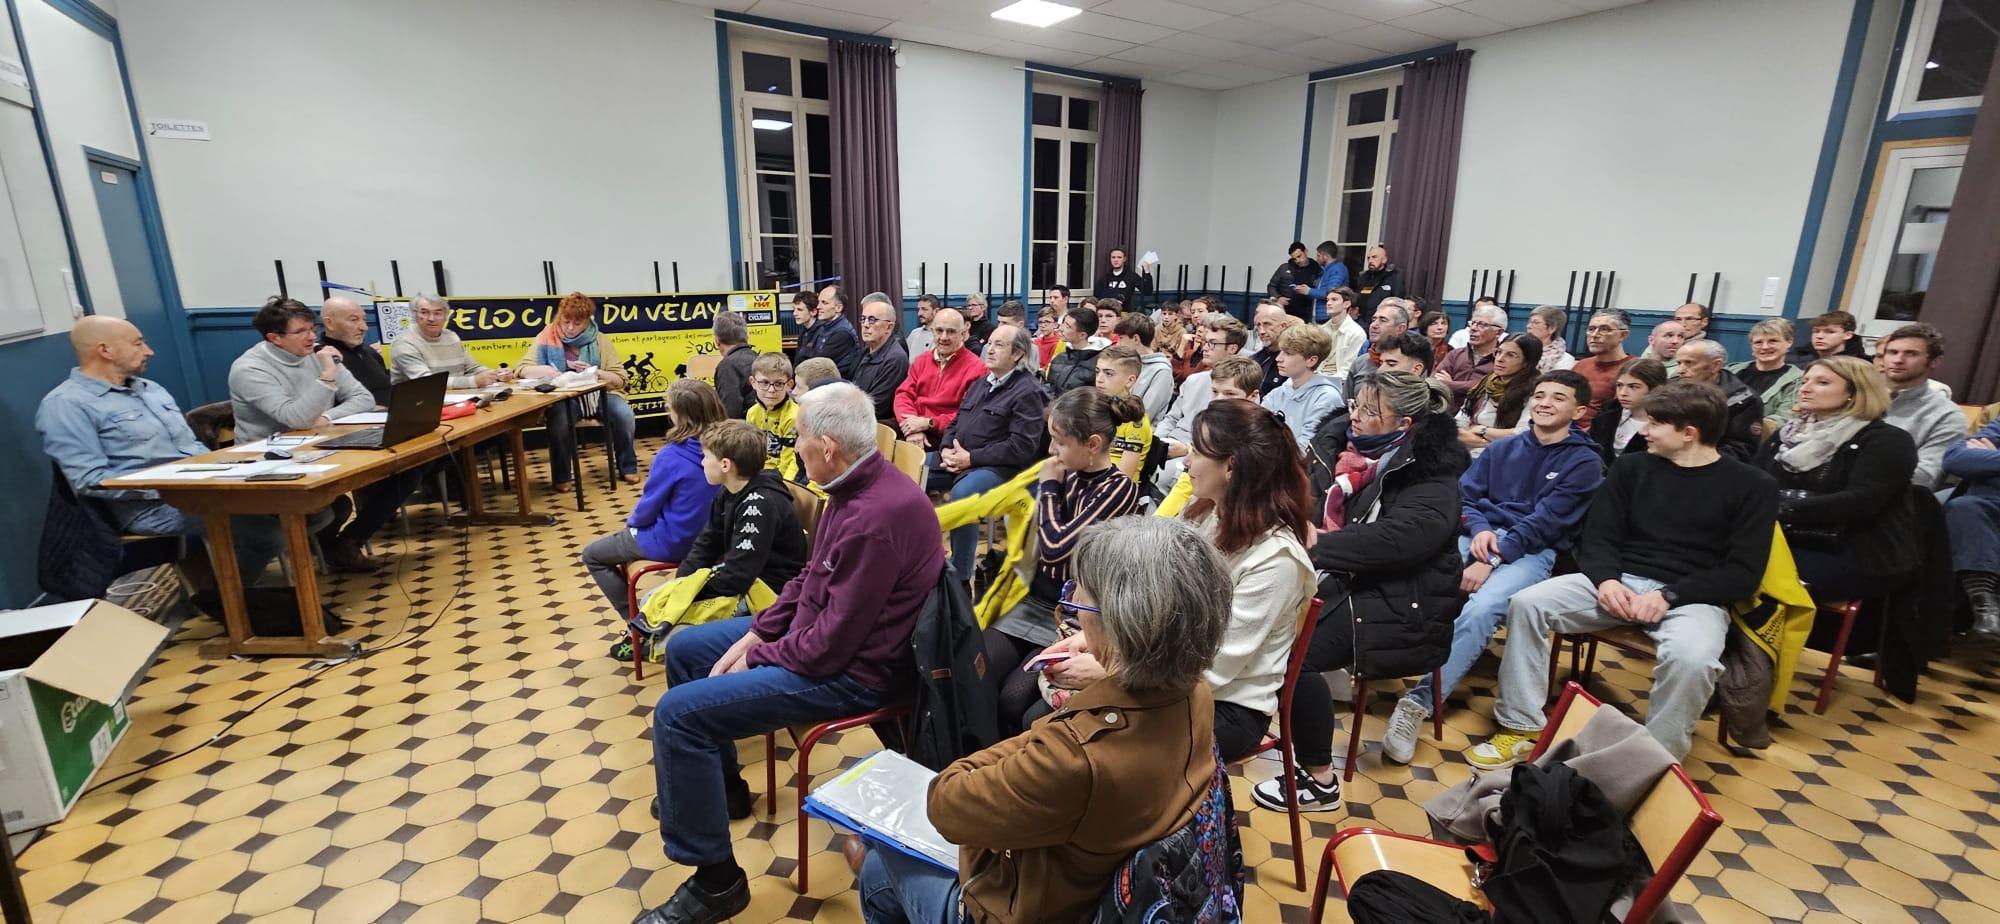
x=1524, y=499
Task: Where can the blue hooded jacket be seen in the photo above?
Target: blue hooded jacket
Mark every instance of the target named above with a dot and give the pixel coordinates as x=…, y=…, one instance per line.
x=674, y=506
x=1536, y=494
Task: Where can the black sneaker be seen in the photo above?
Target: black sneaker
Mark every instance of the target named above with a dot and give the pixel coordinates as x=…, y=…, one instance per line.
x=1314, y=796
x=621, y=650
x=739, y=797
x=691, y=904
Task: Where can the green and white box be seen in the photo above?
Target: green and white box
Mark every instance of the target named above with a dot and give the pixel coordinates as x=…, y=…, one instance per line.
x=65, y=671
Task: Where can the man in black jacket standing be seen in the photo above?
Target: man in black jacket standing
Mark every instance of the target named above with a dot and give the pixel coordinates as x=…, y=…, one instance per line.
x=1381, y=279
x=1300, y=270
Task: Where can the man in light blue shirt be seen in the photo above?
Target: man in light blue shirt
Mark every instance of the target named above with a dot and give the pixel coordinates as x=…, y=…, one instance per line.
x=105, y=421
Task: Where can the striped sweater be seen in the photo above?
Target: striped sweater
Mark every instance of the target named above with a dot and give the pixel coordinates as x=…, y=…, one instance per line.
x=1084, y=498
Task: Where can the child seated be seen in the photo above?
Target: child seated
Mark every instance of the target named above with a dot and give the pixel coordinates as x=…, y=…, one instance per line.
x=776, y=413
x=1117, y=371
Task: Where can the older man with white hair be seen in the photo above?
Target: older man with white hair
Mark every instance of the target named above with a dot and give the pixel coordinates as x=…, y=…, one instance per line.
x=883, y=364
x=1464, y=367
x=998, y=431
x=430, y=346
x=836, y=643
x=1702, y=361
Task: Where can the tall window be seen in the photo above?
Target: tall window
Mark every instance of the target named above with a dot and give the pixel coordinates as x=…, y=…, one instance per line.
x=1901, y=231
x=1062, y=212
x=786, y=172
x=1365, y=111
x=1947, y=55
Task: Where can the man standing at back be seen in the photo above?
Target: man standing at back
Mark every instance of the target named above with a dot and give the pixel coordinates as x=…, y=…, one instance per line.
x=1293, y=281
x=732, y=374
x=836, y=643
x=1381, y=279
x=1926, y=413
x=1605, y=338
x=883, y=362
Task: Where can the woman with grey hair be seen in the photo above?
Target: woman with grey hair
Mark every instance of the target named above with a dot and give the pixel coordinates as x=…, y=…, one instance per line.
x=1045, y=819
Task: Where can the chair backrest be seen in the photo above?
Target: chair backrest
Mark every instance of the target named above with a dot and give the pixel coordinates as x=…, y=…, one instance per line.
x=1573, y=712
x=1673, y=824
x=909, y=459
x=809, y=506
x=885, y=440
x=214, y=424
x=1308, y=618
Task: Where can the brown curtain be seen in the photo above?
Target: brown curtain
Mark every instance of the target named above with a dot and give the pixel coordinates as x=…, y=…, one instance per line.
x=1117, y=176
x=1423, y=171
x=867, y=208
x=1964, y=298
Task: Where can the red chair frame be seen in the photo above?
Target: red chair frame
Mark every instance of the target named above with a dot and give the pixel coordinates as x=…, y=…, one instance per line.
x=1650, y=898
x=1360, y=710
x=632, y=576
x=1282, y=743
x=897, y=711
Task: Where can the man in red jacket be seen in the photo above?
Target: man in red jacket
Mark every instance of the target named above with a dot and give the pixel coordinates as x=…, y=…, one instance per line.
x=928, y=399
x=836, y=643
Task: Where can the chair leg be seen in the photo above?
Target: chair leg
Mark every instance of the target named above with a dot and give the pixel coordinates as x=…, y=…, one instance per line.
x=1847, y=614
x=1354, y=731
x=576, y=470
x=1555, y=658
x=632, y=631
x=1590, y=662
x=1292, y=800
x=770, y=775
x=1318, y=910
x=610, y=462
x=1437, y=704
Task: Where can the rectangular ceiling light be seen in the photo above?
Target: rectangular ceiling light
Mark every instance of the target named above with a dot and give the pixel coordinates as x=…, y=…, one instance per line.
x=1039, y=13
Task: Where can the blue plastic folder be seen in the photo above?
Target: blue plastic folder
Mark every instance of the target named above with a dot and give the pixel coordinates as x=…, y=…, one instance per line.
x=882, y=800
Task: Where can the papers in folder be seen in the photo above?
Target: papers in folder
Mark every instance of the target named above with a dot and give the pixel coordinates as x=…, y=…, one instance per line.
x=882, y=799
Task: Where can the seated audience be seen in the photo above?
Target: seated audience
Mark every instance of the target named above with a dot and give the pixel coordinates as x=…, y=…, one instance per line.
x=1834, y=333
x=1304, y=397
x=1693, y=318
x=1676, y=535
x=1271, y=323
x=1013, y=312
x=776, y=413
x=1843, y=478
x=104, y=421
x=1180, y=342
x=1076, y=364
x=1463, y=368
x=1621, y=427
x=1972, y=517
x=1664, y=344
x=673, y=508
x=1078, y=487
x=1604, y=336
x=928, y=399
x=428, y=346
x=1251, y=501
x=1524, y=501
x=1348, y=336
x=1109, y=310
x=1405, y=352
x=573, y=343
x=883, y=364
x=1117, y=370
x=732, y=374
x=1463, y=335
x=346, y=329
x=1221, y=336
x=1045, y=820
x=996, y=433
x=1234, y=377
x=814, y=372
x=1493, y=409
x=832, y=335
x=1155, y=387
x=1775, y=381
x=751, y=533
x=1385, y=543
x=1928, y=415
x=1436, y=328
x=919, y=341
x=1546, y=325
x=805, y=310
x=1048, y=334
x=836, y=643
x=978, y=327
x=1702, y=361
x=1391, y=320
x=284, y=383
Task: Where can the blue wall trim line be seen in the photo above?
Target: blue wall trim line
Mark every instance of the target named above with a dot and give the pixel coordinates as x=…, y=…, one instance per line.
x=1305, y=161
x=1027, y=174
x=1829, y=152
x=89, y=15
x=801, y=28
x=727, y=86
x=1380, y=63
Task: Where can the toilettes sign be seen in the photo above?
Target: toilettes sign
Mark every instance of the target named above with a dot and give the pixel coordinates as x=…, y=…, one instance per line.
x=183, y=129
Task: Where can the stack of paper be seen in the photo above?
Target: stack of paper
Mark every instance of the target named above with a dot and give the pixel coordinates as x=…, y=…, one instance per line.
x=882, y=799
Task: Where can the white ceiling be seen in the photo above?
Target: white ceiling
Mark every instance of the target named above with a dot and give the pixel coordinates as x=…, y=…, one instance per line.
x=1210, y=44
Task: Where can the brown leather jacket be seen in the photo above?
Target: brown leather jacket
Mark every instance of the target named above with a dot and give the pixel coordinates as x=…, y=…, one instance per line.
x=1044, y=819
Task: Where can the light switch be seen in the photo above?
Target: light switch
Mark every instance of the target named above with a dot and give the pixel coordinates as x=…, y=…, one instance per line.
x=1770, y=297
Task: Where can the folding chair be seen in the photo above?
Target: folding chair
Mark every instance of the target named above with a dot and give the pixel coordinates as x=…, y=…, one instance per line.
x=805, y=739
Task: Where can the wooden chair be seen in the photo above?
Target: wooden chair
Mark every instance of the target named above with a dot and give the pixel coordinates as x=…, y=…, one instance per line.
x=1672, y=824
x=810, y=505
x=806, y=738
x=886, y=439
x=1282, y=743
x=909, y=459
x=1360, y=704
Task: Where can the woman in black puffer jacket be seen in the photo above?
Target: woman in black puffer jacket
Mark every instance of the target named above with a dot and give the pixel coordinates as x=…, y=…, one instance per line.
x=1386, y=548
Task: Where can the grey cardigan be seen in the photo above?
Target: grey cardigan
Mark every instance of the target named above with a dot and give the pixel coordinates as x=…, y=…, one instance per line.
x=272, y=391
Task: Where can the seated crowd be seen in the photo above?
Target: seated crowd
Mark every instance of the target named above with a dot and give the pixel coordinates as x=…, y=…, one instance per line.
x=1339, y=449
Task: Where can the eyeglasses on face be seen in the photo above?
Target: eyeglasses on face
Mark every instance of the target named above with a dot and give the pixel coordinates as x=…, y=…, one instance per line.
x=1066, y=608
x=766, y=383
x=865, y=321
x=1487, y=325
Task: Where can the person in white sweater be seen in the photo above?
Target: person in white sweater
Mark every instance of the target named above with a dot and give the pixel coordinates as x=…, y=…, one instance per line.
x=430, y=347
x=1251, y=499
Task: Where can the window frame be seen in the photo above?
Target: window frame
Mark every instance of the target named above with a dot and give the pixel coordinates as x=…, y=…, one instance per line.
x=1887, y=196
x=1910, y=62
x=812, y=231
x=1065, y=90
x=1343, y=136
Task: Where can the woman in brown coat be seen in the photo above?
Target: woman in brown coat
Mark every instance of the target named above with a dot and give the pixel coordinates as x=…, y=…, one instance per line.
x=1044, y=819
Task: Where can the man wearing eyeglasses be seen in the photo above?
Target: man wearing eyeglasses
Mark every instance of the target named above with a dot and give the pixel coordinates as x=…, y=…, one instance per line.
x=1605, y=338
x=430, y=347
x=1221, y=335
x=928, y=397
x=1464, y=367
x=883, y=363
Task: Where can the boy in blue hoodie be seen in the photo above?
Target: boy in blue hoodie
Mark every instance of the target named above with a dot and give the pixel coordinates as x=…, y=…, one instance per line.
x=1524, y=499
x=1305, y=397
x=673, y=507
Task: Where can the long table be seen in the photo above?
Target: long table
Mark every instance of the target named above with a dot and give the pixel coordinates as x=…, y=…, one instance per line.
x=215, y=500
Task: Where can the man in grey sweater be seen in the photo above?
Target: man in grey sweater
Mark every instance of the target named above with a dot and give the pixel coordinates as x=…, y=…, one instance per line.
x=284, y=383
x=429, y=347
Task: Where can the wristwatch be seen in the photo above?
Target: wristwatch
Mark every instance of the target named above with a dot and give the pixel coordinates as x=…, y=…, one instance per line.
x=1673, y=599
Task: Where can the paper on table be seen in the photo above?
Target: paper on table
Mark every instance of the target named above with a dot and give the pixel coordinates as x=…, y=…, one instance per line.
x=365, y=417
x=281, y=441
x=882, y=799
x=302, y=468
x=195, y=471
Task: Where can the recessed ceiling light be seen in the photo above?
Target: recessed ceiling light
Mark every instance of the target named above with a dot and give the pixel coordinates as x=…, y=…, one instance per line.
x=1930, y=65
x=770, y=125
x=1039, y=13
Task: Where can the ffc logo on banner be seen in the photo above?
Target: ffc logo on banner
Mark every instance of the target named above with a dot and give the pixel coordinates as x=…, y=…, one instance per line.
x=653, y=335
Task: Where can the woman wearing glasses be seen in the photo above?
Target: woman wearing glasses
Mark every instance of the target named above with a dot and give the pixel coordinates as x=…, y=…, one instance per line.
x=1045, y=820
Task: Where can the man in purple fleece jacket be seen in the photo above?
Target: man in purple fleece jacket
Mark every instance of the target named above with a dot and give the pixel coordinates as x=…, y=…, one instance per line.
x=836, y=643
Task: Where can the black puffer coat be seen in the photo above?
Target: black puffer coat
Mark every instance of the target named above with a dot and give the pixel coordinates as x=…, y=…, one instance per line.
x=1394, y=567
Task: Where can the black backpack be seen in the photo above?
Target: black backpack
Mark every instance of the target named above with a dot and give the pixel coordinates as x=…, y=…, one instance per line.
x=956, y=714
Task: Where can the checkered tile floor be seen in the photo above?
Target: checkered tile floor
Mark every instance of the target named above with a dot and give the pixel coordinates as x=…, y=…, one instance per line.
x=488, y=762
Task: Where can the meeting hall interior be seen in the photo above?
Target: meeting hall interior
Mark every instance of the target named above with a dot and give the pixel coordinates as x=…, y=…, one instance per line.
x=684, y=461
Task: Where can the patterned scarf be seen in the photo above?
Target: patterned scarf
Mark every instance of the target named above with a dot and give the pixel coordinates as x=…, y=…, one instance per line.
x=1357, y=466
x=552, y=348
x=1806, y=443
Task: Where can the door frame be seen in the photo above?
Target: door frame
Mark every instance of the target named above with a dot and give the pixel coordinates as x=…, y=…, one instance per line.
x=1868, y=266
x=163, y=266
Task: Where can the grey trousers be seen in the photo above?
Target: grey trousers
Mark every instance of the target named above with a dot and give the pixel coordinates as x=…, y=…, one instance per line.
x=1689, y=638
x=606, y=559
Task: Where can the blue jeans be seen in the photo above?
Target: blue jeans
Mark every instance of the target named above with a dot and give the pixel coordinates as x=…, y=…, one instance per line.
x=897, y=888
x=617, y=417
x=699, y=718
x=1973, y=520
x=1483, y=613
x=965, y=539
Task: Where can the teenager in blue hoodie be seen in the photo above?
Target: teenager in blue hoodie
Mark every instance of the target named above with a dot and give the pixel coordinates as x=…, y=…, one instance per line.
x=1524, y=500
x=673, y=508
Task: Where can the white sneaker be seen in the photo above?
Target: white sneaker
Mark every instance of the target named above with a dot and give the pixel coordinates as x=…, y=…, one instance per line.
x=1314, y=796
x=1400, y=742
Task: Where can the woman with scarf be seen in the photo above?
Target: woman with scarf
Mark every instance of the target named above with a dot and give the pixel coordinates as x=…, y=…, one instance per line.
x=1386, y=546
x=1844, y=483
x=1493, y=407
x=572, y=343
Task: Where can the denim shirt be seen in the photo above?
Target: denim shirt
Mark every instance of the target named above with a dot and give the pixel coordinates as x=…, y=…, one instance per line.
x=95, y=431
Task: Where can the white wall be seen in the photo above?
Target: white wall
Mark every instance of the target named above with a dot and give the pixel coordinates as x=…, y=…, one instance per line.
x=83, y=104
x=958, y=136
x=36, y=297
x=1822, y=286
x=1660, y=139
x=1176, y=174
x=1256, y=187
x=491, y=134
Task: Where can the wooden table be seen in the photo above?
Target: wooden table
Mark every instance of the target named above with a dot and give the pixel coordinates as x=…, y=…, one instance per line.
x=294, y=501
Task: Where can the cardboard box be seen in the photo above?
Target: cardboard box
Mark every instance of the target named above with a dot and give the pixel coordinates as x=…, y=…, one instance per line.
x=65, y=671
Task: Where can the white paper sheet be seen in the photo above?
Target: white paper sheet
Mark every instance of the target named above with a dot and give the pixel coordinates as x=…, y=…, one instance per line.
x=365, y=417
x=281, y=441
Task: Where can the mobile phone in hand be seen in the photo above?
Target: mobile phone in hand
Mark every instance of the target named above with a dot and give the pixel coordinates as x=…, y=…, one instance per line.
x=1041, y=663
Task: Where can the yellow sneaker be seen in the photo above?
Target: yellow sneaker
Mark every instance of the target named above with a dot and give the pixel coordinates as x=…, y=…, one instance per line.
x=1509, y=747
